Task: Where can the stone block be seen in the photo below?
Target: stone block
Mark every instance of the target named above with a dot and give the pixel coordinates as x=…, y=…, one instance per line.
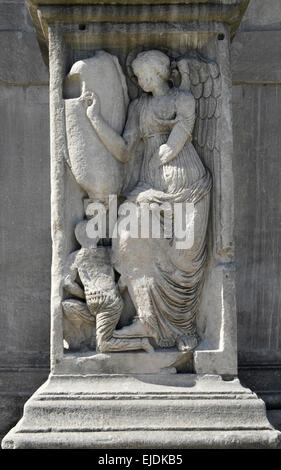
x=274, y=417
x=265, y=380
x=257, y=174
x=150, y=411
x=134, y=399
x=15, y=16
x=25, y=226
x=261, y=15
x=20, y=59
x=256, y=57
x=16, y=386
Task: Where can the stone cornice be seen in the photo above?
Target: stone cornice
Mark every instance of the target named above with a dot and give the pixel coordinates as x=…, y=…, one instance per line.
x=45, y=12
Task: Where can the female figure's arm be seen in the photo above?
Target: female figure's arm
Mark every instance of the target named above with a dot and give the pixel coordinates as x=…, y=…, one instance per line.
x=120, y=147
x=182, y=130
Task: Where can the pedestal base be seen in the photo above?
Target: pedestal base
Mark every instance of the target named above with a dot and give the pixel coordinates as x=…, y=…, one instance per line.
x=143, y=411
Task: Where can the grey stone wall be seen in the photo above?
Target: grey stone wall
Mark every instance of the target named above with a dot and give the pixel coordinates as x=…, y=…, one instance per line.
x=257, y=145
x=24, y=213
x=256, y=68
x=25, y=207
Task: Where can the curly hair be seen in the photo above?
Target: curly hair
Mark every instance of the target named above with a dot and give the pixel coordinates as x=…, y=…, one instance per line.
x=157, y=60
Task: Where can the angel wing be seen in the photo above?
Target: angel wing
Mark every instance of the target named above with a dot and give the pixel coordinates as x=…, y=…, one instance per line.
x=202, y=78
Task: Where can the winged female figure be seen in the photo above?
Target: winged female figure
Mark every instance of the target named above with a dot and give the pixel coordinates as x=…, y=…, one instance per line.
x=164, y=281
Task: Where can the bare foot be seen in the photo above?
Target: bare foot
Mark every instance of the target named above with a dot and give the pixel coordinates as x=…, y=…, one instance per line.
x=187, y=343
x=146, y=345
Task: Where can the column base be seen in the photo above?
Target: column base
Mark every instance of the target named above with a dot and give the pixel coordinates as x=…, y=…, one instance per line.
x=143, y=411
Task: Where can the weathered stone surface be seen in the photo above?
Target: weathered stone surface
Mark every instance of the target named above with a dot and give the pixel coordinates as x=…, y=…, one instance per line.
x=267, y=439
x=265, y=380
x=25, y=227
x=25, y=243
x=262, y=15
x=257, y=143
x=164, y=285
x=166, y=361
x=149, y=411
x=88, y=114
x=256, y=57
x=16, y=386
x=94, y=168
x=263, y=345
x=20, y=59
x=274, y=417
x=229, y=12
x=14, y=16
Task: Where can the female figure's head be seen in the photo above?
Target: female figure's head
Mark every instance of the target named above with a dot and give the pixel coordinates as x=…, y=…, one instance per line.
x=152, y=68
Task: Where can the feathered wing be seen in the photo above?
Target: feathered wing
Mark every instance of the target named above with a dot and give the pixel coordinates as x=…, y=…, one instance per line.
x=202, y=78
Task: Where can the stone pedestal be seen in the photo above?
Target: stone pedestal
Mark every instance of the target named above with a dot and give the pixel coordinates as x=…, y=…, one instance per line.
x=169, y=397
x=142, y=411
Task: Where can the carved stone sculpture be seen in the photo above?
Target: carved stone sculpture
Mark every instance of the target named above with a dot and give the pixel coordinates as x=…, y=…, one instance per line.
x=164, y=282
x=103, y=304
x=148, y=317
x=90, y=161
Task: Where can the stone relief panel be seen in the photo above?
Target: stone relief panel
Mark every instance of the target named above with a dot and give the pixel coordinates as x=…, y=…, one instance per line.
x=143, y=156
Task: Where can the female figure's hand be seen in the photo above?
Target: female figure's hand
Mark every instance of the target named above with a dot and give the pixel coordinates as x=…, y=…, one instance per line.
x=92, y=102
x=113, y=142
x=166, y=154
x=144, y=197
